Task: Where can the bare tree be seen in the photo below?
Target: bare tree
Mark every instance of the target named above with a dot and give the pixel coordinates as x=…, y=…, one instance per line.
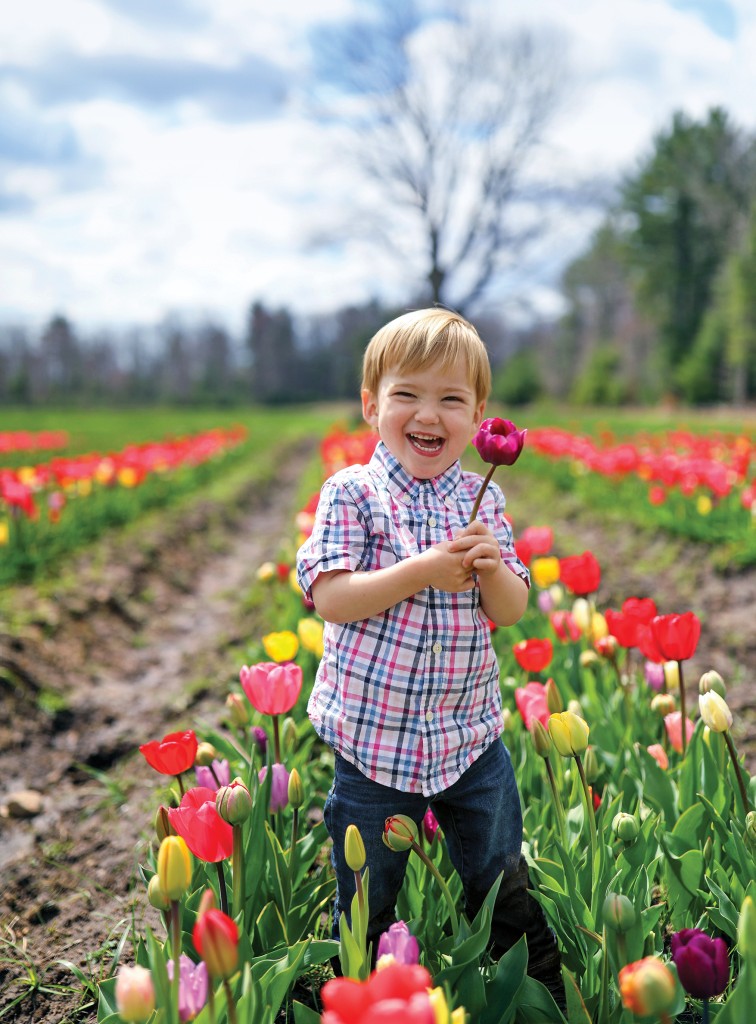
x=444, y=114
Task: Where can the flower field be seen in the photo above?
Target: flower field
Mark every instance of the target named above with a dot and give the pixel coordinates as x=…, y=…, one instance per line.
x=640, y=831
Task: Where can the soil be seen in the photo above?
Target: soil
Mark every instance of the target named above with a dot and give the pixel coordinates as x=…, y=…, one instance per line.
x=146, y=640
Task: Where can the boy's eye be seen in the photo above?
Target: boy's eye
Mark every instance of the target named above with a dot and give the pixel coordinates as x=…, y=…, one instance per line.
x=453, y=398
x=403, y=394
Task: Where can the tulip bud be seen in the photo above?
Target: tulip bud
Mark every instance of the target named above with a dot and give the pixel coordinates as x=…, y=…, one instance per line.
x=289, y=734
x=589, y=659
x=296, y=789
x=606, y=646
x=712, y=680
x=647, y=987
x=599, y=627
x=206, y=754
x=663, y=704
x=747, y=930
x=163, y=825
x=354, y=848
x=554, y=701
x=625, y=827
x=749, y=836
x=216, y=939
x=134, y=994
x=234, y=803
x=174, y=867
x=581, y=613
x=590, y=765
x=619, y=913
x=540, y=736
x=207, y=902
x=714, y=711
x=569, y=733
x=237, y=711
x=575, y=707
x=672, y=675
x=156, y=896
x=708, y=850
x=556, y=593
x=399, y=832
x=506, y=719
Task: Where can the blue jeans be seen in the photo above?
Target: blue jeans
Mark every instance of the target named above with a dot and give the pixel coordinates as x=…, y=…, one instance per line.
x=482, y=823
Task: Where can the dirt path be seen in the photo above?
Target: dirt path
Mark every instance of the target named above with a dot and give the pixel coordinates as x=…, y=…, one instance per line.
x=146, y=641
x=131, y=654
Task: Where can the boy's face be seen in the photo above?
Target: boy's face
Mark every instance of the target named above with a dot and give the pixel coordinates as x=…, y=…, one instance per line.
x=426, y=418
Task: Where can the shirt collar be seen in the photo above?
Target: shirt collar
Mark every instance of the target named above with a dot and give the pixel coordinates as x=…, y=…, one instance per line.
x=400, y=483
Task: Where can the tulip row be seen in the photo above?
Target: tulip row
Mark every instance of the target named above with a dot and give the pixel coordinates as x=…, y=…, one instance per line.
x=32, y=440
x=699, y=486
x=640, y=834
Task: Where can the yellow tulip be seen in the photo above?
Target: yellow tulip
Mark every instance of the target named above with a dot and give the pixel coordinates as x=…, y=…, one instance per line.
x=581, y=613
x=4, y=532
x=281, y=646
x=569, y=733
x=174, y=867
x=672, y=675
x=267, y=571
x=703, y=504
x=437, y=999
x=599, y=628
x=544, y=571
x=310, y=632
x=354, y=848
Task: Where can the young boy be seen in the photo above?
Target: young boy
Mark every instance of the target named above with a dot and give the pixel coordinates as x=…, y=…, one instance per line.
x=407, y=692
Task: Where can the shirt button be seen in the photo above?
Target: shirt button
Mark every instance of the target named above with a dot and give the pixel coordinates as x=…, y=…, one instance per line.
x=428, y=716
x=431, y=520
x=437, y=647
x=407, y=499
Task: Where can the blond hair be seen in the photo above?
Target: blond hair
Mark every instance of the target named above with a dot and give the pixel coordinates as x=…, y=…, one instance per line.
x=422, y=338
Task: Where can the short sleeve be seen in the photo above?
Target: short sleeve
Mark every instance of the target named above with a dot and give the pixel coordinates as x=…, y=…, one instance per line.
x=339, y=535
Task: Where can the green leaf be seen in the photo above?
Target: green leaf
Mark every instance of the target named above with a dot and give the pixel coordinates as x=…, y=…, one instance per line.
x=304, y=1014
x=503, y=987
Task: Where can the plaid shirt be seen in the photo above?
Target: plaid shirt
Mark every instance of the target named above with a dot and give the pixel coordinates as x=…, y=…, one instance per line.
x=411, y=696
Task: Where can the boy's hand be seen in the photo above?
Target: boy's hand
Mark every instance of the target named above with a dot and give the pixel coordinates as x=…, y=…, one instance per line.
x=444, y=568
x=479, y=548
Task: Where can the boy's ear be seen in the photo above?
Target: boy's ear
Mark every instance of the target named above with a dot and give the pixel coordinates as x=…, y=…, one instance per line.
x=369, y=407
x=479, y=414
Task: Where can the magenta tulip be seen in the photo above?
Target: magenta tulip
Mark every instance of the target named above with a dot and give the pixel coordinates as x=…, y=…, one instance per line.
x=399, y=944
x=702, y=963
x=279, y=787
x=499, y=442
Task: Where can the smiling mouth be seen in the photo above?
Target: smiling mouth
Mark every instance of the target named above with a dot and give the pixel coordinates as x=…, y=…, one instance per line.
x=426, y=444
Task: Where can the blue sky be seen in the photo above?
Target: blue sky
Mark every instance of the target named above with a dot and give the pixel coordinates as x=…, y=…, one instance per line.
x=156, y=156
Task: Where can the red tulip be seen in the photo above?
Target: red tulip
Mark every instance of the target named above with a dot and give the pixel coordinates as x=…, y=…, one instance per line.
x=398, y=992
x=676, y=636
x=216, y=939
x=271, y=688
x=172, y=755
x=196, y=819
x=534, y=655
x=564, y=626
x=499, y=442
x=641, y=608
x=532, y=704
x=540, y=539
x=646, y=643
x=581, y=574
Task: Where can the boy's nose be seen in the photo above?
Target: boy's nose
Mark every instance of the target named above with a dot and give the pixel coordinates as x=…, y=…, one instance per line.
x=427, y=414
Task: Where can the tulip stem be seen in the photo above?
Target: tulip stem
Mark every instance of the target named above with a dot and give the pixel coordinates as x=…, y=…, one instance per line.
x=705, y=1011
x=237, y=864
x=211, y=1001
x=176, y=954
x=222, y=892
x=734, y=758
x=684, y=730
x=557, y=802
x=276, y=741
x=180, y=784
x=481, y=492
x=230, y=1004
x=444, y=887
x=589, y=811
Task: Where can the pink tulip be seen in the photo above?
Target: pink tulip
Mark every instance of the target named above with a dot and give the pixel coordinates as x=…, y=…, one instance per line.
x=673, y=724
x=279, y=788
x=531, y=703
x=659, y=754
x=271, y=688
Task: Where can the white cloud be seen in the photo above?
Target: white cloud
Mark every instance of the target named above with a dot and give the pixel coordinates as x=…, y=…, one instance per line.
x=155, y=205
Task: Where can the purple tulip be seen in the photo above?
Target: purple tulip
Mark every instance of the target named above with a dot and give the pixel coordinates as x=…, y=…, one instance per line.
x=279, y=789
x=260, y=738
x=430, y=826
x=193, y=986
x=654, y=674
x=213, y=777
x=702, y=963
x=499, y=442
x=399, y=944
